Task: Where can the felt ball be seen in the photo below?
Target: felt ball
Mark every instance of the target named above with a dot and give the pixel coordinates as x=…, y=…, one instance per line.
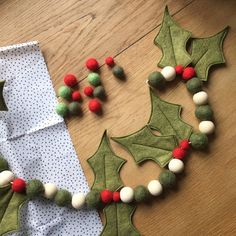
x=94, y=79
x=6, y=177
x=88, y=91
x=118, y=72
x=18, y=185
x=141, y=194
x=99, y=92
x=92, y=64
x=116, y=196
x=106, y=196
x=168, y=73
x=156, y=80
x=198, y=140
x=194, y=85
x=204, y=112
x=74, y=108
x=76, y=96
x=93, y=199
x=167, y=178
x=63, y=198
x=155, y=187
x=110, y=61
x=70, y=80
x=206, y=127
x=126, y=194
x=3, y=164
x=176, y=166
x=179, y=69
x=95, y=106
x=179, y=153
x=50, y=190
x=200, y=98
x=78, y=200
x=184, y=144
x=65, y=92
x=62, y=109
x=34, y=188
x=188, y=73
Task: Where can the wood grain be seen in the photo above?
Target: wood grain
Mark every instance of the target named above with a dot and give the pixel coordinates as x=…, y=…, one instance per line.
x=71, y=31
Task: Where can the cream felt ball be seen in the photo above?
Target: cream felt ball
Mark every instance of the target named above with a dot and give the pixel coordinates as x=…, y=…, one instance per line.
x=168, y=73
x=50, y=190
x=155, y=187
x=78, y=200
x=200, y=98
x=6, y=177
x=176, y=166
x=206, y=127
x=126, y=194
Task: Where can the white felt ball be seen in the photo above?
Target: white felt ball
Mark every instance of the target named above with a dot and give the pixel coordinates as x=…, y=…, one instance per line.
x=200, y=98
x=155, y=187
x=168, y=73
x=6, y=177
x=176, y=166
x=126, y=194
x=50, y=190
x=78, y=200
x=206, y=127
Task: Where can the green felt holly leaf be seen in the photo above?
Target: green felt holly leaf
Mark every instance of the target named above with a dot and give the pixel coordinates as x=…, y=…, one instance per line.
x=172, y=40
x=144, y=145
x=3, y=106
x=207, y=52
x=10, y=204
x=165, y=117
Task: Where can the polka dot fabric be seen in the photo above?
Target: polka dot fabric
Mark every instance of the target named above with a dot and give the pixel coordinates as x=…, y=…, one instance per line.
x=36, y=143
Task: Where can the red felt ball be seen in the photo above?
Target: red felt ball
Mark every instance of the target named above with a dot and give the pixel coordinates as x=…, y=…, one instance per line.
x=179, y=69
x=106, y=196
x=76, y=96
x=184, y=144
x=116, y=196
x=88, y=91
x=179, y=153
x=189, y=72
x=95, y=106
x=110, y=61
x=70, y=80
x=18, y=185
x=92, y=64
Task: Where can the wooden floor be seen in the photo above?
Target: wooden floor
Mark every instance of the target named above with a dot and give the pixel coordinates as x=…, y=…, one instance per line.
x=70, y=31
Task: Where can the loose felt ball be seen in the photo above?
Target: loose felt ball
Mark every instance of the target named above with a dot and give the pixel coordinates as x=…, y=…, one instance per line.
x=95, y=106
x=88, y=91
x=106, y=196
x=99, y=92
x=93, y=200
x=65, y=92
x=179, y=69
x=3, y=164
x=63, y=198
x=194, y=85
x=206, y=127
x=34, y=188
x=118, y=72
x=76, y=96
x=155, y=187
x=168, y=73
x=92, y=64
x=78, y=200
x=176, y=166
x=167, y=178
x=94, y=79
x=179, y=153
x=116, y=196
x=62, y=109
x=184, y=144
x=50, y=190
x=198, y=140
x=74, y=108
x=204, y=112
x=6, y=177
x=156, y=80
x=126, y=194
x=200, y=98
x=141, y=194
x=18, y=185
x=188, y=73
x=70, y=80
x=110, y=61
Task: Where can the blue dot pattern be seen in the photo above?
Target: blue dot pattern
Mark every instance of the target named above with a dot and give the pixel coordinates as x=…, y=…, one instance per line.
x=36, y=143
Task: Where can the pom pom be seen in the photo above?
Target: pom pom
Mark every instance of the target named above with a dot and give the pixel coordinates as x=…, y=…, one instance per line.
x=62, y=109
x=18, y=185
x=50, y=190
x=99, y=92
x=200, y=98
x=179, y=153
x=65, y=92
x=94, y=79
x=126, y=194
x=74, y=108
x=189, y=72
x=95, y=106
x=93, y=200
x=167, y=178
x=184, y=144
x=155, y=187
x=194, y=85
x=78, y=200
x=204, y=112
x=206, y=127
x=118, y=72
x=176, y=166
x=141, y=194
x=6, y=177
x=63, y=198
x=70, y=80
x=168, y=73
x=110, y=61
x=179, y=69
x=156, y=80
x=92, y=64
x=116, y=196
x=106, y=196
x=34, y=188
x=88, y=91
x=76, y=96
x=198, y=141
x=3, y=164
